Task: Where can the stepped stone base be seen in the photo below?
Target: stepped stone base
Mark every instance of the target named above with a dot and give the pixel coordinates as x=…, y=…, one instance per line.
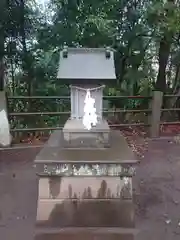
x=75, y=134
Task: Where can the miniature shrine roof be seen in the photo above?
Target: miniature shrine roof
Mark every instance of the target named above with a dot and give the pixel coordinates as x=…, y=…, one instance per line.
x=86, y=63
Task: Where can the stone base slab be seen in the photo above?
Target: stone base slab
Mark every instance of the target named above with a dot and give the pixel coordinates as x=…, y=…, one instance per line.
x=93, y=213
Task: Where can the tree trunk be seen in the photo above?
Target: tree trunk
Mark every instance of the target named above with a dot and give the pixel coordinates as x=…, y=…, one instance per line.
x=1, y=74
x=26, y=62
x=2, y=40
x=176, y=79
x=164, y=51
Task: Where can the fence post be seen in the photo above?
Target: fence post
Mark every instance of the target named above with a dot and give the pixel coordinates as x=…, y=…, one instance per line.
x=156, y=113
x=3, y=101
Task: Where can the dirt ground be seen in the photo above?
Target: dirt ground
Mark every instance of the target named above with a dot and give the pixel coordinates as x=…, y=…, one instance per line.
x=156, y=193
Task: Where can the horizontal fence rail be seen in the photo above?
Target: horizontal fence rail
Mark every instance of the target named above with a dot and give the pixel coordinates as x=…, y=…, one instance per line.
x=66, y=113
x=68, y=97
x=61, y=127
x=170, y=109
x=171, y=95
x=38, y=97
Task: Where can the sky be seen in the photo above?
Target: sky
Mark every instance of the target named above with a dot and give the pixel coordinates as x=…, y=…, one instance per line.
x=43, y=2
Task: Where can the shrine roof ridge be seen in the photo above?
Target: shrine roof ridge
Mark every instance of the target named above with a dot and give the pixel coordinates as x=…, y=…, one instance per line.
x=88, y=50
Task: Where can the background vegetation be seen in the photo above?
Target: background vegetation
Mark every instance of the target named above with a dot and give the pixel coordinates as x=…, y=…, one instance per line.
x=145, y=34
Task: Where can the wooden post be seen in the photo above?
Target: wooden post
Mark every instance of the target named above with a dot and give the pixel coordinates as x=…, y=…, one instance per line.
x=3, y=101
x=156, y=113
x=150, y=113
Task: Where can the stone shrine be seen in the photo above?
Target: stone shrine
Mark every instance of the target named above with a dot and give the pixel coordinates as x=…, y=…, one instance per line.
x=91, y=67
x=5, y=135
x=85, y=175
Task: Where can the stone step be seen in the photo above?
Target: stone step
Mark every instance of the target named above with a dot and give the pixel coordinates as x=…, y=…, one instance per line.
x=118, y=152
x=85, y=233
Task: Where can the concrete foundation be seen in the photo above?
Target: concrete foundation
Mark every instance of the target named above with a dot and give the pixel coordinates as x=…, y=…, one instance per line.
x=96, y=234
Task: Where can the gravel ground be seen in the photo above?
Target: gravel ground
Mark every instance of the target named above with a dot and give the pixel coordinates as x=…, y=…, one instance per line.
x=156, y=193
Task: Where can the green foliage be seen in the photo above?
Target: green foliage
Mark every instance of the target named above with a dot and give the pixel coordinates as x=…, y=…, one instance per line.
x=31, y=40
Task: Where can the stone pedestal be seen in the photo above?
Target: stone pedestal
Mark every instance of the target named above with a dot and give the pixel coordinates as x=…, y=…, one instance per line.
x=85, y=204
